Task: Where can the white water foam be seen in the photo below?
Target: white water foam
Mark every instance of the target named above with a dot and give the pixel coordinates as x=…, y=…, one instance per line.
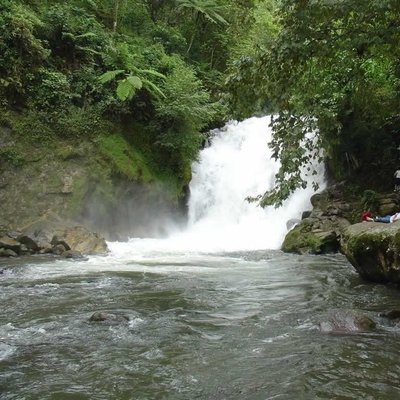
x=238, y=164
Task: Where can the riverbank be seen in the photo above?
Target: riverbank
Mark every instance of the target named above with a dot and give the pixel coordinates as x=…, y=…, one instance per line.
x=52, y=235
x=334, y=225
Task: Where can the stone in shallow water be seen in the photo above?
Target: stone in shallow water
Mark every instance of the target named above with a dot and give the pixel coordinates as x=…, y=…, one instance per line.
x=343, y=323
x=392, y=314
x=100, y=316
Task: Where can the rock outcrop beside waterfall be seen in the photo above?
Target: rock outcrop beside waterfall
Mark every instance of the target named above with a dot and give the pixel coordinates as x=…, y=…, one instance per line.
x=51, y=235
x=320, y=230
x=76, y=180
x=333, y=226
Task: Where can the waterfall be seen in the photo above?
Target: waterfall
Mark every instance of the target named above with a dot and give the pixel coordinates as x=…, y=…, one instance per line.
x=236, y=165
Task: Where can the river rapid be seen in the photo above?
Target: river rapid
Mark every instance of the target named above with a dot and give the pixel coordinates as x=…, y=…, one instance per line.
x=202, y=326
x=216, y=311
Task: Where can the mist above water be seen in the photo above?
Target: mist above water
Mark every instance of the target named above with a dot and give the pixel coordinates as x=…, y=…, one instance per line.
x=237, y=164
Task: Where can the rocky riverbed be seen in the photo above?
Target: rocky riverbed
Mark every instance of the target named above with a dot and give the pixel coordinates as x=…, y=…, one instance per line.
x=51, y=235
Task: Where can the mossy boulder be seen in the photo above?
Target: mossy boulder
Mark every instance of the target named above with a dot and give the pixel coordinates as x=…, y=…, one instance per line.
x=374, y=250
x=315, y=235
x=320, y=229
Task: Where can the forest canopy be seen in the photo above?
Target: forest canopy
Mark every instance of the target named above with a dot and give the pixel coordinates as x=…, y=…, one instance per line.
x=150, y=69
x=333, y=67
x=161, y=73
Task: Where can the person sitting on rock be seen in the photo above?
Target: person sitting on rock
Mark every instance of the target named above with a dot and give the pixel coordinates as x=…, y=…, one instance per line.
x=388, y=218
x=366, y=216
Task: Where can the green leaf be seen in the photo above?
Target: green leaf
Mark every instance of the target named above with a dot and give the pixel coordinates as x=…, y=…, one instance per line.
x=153, y=89
x=125, y=89
x=135, y=81
x=88, y=50
x=110, y=75
x=152, y=72
x=85, y=35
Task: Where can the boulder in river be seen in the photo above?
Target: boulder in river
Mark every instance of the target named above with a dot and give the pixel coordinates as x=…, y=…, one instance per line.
x=319, y=230
x=346, y=322
x=10, y=244
x=100, y=316
x=374, y=250
x=53, y=235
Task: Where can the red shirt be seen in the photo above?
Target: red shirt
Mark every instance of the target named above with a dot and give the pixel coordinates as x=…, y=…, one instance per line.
x=365, y=215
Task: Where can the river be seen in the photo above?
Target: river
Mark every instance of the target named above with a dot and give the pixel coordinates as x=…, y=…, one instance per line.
x=215, y=312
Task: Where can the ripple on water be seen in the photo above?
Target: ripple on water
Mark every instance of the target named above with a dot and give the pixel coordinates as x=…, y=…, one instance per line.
x=6, y=351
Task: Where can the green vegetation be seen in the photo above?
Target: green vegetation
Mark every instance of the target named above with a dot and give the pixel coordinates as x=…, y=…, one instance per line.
x=81, y=69
x=161, y=73
x=332, y=67
x=123, y=158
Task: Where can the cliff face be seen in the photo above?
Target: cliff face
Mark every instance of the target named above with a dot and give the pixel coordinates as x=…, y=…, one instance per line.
x=77, y=181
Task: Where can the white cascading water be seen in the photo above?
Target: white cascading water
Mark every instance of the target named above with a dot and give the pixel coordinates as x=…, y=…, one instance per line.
x=238, y=164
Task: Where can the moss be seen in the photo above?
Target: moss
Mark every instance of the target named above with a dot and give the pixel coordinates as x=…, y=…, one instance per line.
x=367, y=243
x=297, y=241
x=79, y=190
x=69, y=152
x=125, y=160
x=11, y=156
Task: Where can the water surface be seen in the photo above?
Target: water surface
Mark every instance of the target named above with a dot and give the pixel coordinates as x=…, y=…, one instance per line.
x=238, y=325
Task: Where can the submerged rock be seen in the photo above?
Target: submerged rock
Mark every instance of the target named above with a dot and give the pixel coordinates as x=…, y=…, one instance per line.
x=374, y=250
x=76, y=255
x=100, y=316
x=392, y=314
x=7, y=253
x=343, y=323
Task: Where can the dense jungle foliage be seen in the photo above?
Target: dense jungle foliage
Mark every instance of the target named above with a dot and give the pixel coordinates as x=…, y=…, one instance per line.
x=150, y=71
x=333, y=67
x=154, y=75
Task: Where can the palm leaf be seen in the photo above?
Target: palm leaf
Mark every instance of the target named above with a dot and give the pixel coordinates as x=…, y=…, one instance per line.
x=152, y=72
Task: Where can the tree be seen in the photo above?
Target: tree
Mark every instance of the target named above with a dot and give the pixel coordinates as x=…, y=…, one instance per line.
x=133, y=81
x=208, y=10
x=333, y=69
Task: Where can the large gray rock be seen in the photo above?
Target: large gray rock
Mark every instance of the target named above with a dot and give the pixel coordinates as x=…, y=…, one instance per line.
x=81, y=240
x=374, y=250
x=51, y=234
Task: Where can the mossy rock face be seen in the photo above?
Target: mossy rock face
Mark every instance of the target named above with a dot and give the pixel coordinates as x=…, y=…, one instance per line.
x=374, y=250
x=305, y=239
x=111, y=190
